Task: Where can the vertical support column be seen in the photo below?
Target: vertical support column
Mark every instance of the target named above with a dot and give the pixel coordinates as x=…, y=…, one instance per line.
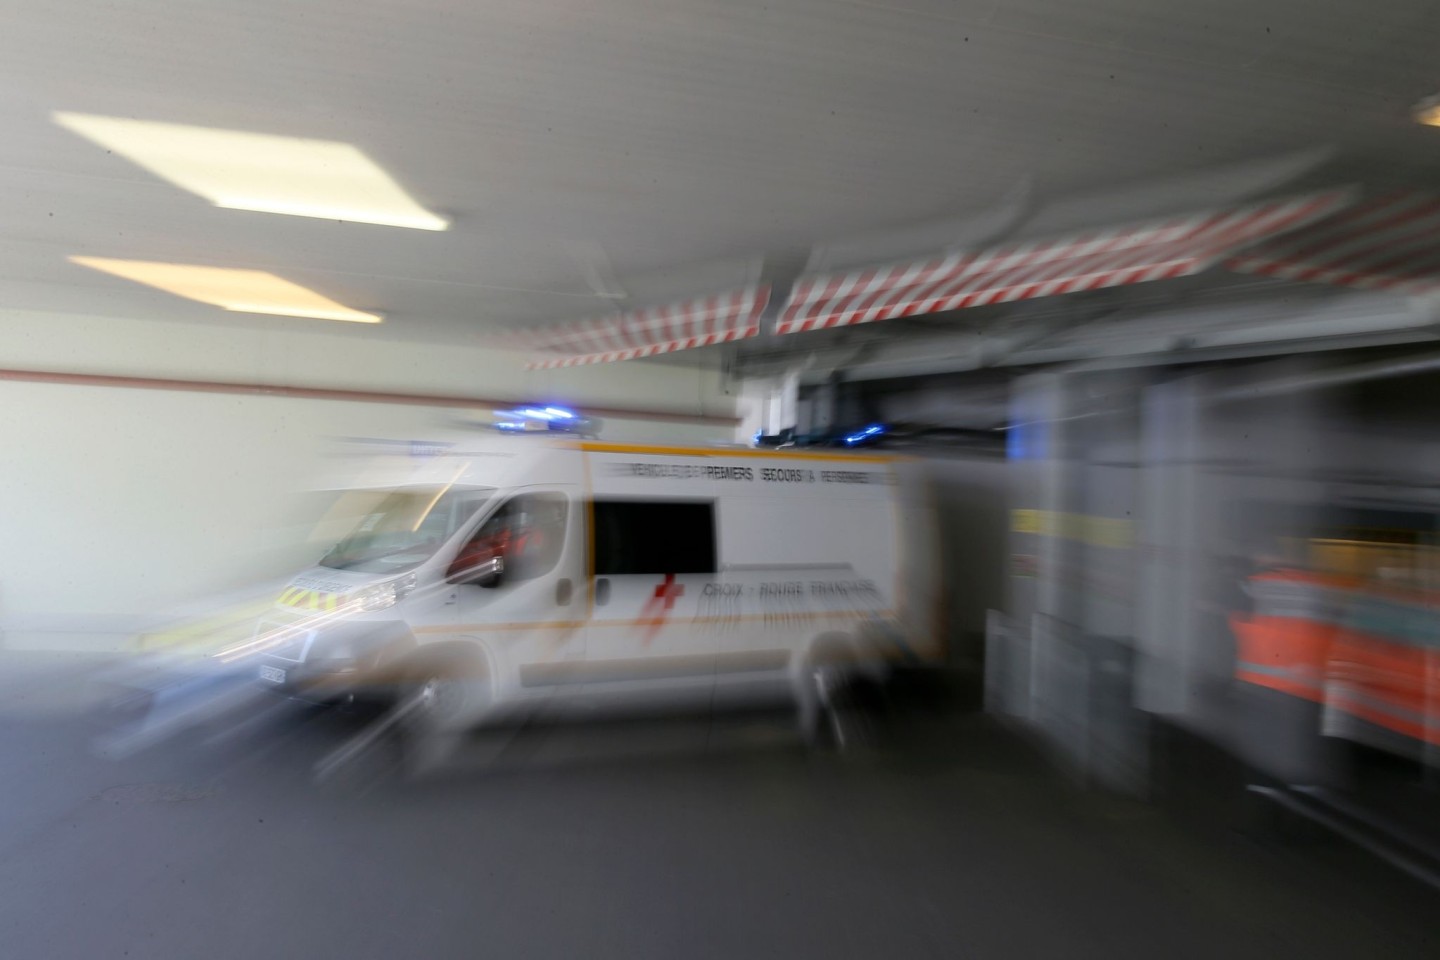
x=823, y=411
x=751, y=407
x=784, y=402
x=1056, y=488
x=1169, y=544
x=768, y=405
x=1068, y=651
x=1035, y=594
x=1106, y=446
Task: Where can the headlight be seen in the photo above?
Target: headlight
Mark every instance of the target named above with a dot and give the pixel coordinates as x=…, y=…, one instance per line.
x=387, y=593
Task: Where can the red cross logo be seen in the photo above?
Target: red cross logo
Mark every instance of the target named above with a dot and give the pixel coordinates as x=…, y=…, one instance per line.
x=661, y=603
x=669, y=591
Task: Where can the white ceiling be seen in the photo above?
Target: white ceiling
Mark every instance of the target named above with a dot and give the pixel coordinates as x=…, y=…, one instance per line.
x=682, y=139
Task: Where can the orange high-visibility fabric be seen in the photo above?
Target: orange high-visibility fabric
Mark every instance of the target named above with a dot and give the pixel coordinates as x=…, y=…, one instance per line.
x=1385, y=680
x=1283, y=653
x=1284, y=646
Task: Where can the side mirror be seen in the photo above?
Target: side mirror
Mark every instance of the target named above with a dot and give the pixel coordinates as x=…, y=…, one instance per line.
x=487, y=573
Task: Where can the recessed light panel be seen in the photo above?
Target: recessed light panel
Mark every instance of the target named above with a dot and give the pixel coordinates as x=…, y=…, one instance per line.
x=242, y=291
x=256, y=171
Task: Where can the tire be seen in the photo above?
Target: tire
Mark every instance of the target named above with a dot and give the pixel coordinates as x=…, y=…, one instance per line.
x=451, y=693
x=842, y=712
x=444, y=695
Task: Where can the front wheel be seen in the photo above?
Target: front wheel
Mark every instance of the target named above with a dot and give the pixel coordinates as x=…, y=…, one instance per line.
x=444, y=697
x=444, y=701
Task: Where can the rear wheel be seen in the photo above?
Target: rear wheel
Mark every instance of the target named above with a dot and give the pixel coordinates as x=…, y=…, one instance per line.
x=841, y=713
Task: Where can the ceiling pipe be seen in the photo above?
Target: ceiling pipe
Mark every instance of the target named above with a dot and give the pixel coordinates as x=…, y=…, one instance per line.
x=354, y=396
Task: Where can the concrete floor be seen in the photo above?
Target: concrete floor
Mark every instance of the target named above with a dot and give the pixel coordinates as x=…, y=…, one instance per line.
x=675, y=840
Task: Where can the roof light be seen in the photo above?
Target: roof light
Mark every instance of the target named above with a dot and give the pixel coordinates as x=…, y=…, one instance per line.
x=238, y=170
x=546, y=419
x=240, y=291
x=874, y=430
x=541, y=413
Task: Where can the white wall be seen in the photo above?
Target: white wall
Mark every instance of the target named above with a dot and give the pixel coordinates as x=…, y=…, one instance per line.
x=120, y=503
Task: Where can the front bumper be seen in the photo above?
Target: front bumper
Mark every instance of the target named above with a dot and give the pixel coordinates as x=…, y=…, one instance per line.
x=354, y=659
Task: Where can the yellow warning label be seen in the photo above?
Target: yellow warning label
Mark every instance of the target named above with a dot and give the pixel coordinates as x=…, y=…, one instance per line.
x=1114, y=532
x=202, y=635
x=1025, y=521
x=304, y=599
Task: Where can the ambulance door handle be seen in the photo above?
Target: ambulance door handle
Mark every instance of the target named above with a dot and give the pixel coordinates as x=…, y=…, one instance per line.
x=602, y=592
x=563, y=588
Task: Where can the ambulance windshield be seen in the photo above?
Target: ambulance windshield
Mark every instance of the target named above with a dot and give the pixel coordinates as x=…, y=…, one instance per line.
x=404, y=529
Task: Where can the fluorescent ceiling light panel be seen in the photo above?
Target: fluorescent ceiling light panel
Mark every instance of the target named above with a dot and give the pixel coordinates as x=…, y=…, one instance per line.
x=243, y=291
x=258, y=171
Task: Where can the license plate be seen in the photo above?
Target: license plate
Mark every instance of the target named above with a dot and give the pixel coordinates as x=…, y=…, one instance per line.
x=273, y=674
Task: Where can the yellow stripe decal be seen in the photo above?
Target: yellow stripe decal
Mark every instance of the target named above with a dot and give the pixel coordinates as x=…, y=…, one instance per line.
x=728, y=452
x=650, y=621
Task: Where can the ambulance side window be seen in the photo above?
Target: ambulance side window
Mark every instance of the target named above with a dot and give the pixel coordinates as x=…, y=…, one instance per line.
x=649, y=537
x=528, y=531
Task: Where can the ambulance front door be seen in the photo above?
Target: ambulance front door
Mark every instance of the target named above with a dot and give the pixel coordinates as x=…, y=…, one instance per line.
x=516, y=581
x=653, y=560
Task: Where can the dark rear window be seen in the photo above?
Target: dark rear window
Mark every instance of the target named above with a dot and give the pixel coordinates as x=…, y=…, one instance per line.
x=647, y=537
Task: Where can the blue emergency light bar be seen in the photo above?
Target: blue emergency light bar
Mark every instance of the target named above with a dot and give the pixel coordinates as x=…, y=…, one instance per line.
x=549, y=414
x=874, y=430
x=545, y=419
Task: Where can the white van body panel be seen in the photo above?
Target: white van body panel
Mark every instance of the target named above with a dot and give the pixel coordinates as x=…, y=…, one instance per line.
x=813, y=554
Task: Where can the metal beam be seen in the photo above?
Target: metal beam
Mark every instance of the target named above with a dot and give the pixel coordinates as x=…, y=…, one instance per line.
x=1360, y=373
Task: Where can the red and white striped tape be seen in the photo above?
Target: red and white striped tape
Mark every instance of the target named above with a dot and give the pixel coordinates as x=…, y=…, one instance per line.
x=646, y=333
x=1122, y=255
x=1388, y=243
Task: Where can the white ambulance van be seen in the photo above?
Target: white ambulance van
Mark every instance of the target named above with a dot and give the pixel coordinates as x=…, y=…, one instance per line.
x=521, y=571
